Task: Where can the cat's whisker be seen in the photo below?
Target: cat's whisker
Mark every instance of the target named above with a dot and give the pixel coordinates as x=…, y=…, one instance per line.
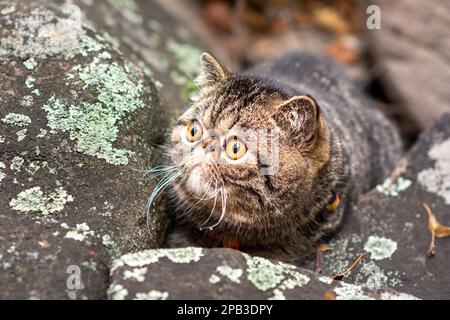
x=170, y=177
x=223, y=194
x=216, y=192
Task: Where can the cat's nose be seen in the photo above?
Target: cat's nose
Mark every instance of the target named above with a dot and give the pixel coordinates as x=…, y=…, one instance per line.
x=209, y=142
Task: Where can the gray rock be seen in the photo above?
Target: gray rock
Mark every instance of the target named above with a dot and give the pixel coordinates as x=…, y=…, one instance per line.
x=80, y=115
x=198, y=273
x=390, y=224
x=413, y=56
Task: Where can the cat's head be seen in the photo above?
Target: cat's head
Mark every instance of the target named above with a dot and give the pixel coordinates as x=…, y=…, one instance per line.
x=248, y=144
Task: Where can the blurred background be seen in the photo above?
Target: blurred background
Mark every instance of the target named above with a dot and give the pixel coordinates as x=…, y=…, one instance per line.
x=404, y=65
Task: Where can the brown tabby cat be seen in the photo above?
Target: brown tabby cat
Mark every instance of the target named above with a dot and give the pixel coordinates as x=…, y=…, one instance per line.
x=330, y=144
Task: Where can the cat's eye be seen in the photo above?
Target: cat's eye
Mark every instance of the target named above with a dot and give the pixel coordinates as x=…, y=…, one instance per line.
x=235, y=148
x=194, y=131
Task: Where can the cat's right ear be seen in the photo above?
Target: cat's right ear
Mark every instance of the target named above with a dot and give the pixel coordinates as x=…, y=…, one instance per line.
x=211, y=71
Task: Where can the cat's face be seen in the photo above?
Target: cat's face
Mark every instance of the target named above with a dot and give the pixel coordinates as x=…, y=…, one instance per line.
x=246, y=153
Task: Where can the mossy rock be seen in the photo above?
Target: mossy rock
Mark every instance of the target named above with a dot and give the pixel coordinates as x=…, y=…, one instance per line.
x=391, y=225
x=81, y=115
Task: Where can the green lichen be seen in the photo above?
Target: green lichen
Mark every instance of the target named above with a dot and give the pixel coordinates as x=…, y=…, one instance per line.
x=393, y=188
x=187, y=58
x=214, y=279
x=117, y=292
x=35, y=200
x=137, y=274
x=265, y=275
x=152, y=295
x=21, y=134
x=233, y=274
x=17, y=119
x=94, y=126
x=41, y=33
x=278, y=295
x=80, y=232
x=30, y=64
x=380, y=248
x=27, y=101
x=36, y=92
x=146, y=257
x=111, y=245
x=16, y=163
x=350, y=292
x=2, y=174
x=29, y=83
x=129, y=9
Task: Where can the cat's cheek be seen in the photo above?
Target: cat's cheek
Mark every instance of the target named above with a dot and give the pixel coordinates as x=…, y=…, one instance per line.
x=196, y=182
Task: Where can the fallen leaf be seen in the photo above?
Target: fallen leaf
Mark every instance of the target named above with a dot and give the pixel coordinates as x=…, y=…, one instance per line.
x=341, y=276
x=329, y=295
x=323, y=247
x=341, y=52
x=436, y=228
x=331, y=20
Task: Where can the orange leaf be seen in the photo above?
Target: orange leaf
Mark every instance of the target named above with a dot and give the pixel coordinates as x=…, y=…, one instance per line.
x=436, y=228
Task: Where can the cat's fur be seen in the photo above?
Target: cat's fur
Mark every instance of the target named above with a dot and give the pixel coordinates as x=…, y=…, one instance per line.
x=333, y=140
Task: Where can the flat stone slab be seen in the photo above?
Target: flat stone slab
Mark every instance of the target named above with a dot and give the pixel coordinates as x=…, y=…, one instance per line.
x=391, y=226
x=199, y=273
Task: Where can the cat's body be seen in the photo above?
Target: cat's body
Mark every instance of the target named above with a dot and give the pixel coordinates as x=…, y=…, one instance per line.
x=333, y=141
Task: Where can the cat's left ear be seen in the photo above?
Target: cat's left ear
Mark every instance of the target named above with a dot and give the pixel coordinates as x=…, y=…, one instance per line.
x=212, y=71
x=298, y=117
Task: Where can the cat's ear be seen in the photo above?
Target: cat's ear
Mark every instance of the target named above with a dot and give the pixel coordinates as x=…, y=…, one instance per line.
x=298, y=117
x=211, y=71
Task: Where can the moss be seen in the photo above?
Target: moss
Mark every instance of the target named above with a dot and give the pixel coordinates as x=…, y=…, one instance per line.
x=16, y=163
x=380, y=248
x=152, y=295
x=30, y=64
x=94, y=126
x=35, y=200
x=17, y=119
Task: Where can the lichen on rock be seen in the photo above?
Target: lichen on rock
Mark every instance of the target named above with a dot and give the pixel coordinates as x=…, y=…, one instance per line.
x=380, y=247
x=94, y=126
x=35, y=200
x=16, y=119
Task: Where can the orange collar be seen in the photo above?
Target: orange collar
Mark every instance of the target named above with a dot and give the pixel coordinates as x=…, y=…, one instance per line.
x=224, y=240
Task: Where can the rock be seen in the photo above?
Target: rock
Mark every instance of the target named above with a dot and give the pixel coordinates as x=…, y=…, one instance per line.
x=80, y=115
x=413, y=55
x=390, y=224
x=199, y=273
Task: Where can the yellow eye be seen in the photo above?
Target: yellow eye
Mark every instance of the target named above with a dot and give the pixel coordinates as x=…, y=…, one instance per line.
x=235, y=148
x=194, y=131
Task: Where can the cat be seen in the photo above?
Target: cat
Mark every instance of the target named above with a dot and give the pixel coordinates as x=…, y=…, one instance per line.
x=267, y=160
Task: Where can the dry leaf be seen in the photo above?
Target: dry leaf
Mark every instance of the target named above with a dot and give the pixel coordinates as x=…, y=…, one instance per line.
x=341, y=52
x=341, y=276
x=331, y=20
x=329, y=295
x=323, y=247
x=436, y=228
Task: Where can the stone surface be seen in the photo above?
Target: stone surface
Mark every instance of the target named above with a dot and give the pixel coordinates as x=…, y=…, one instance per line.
x=414, y=56
x=198, y=273
x=80, y=115
x=390, y=224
